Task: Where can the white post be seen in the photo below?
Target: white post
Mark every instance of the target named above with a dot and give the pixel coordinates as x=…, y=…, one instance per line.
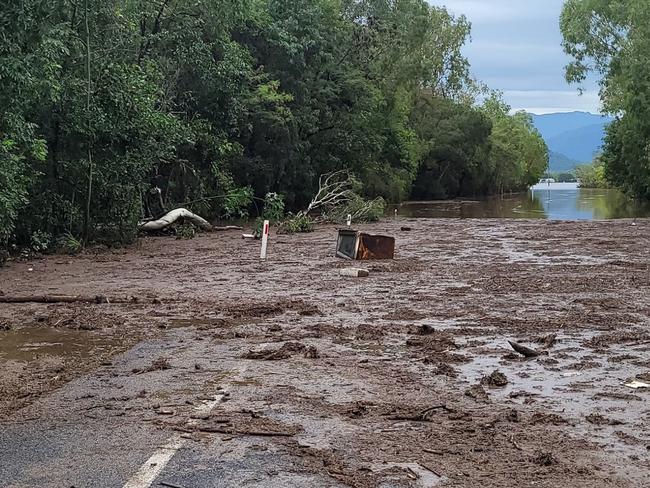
x=265, y=240
x=395, y=213
x=349, y=220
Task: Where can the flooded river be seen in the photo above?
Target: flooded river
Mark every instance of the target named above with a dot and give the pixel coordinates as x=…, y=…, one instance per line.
x=555, y=201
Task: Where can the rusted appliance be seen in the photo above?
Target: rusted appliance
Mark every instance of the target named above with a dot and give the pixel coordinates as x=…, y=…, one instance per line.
x=357, y=245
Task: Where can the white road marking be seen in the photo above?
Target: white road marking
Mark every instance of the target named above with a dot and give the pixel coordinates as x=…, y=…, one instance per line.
x=150, y=470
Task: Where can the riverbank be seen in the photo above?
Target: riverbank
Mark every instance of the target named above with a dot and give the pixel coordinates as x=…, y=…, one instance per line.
x=333, y=381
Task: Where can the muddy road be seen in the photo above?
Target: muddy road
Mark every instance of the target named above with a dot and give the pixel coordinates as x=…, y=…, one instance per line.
x=226, y=372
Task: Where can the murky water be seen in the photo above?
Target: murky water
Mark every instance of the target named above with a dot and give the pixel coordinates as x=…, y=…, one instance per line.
x=557, y=201
x=574, y=382
x=30, y=343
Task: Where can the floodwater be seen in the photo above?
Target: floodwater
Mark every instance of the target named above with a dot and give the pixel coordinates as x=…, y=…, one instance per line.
x=32, y=343
x=555, y=201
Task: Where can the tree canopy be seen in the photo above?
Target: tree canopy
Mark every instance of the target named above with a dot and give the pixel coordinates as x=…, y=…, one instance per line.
x=116, y=110
x=612, y=39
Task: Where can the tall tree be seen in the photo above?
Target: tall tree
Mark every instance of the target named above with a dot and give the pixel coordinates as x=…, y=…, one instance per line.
x=612, y=39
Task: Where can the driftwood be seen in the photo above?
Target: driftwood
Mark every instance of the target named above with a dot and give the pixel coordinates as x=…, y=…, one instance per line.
x=525, y=351
x=65, y=299
x=173, y=216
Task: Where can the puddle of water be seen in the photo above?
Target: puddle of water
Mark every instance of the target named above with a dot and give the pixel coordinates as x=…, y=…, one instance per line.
x=574, y=393
x=425, y=477
x=30, y=343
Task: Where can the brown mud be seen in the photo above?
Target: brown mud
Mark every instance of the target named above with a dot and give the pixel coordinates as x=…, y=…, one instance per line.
x=404, y=378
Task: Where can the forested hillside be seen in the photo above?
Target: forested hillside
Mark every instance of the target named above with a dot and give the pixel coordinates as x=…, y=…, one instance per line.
x=112, y=111
x=573, y=138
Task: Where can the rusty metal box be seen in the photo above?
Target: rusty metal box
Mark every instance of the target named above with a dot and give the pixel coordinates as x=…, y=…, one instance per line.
x=357, y=245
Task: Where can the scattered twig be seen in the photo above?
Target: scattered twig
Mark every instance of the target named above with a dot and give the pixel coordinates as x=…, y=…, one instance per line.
x=169, y=485
x=512, y=440
x=433, y=451
x=98, y=299
x=429, y=469
x=423, y=416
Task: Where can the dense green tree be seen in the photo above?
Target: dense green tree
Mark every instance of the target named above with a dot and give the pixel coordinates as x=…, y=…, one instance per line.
x=612, y=39
x=592, y=175
x=454, y=138
x=116, y=110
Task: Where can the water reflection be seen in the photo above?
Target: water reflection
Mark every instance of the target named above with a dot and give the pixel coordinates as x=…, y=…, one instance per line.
x=557, y=201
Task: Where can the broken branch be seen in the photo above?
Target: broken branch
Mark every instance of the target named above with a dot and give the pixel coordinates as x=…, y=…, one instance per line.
x=173, y=216
x=65, y=299
x=525, y=351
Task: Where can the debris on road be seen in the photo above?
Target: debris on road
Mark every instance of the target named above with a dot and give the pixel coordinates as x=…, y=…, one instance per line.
x=495, y=379
x=477, y=393
x=425, y=328
x=544, y=459
x=354, y=272
x=173, y=216
x=285, y=352
x=364, y=247
x=526, y=351
x=97, y=299
x=637, y=385
x=597, y=419
x=424, y=415
x=169, y=485
x=548, y=341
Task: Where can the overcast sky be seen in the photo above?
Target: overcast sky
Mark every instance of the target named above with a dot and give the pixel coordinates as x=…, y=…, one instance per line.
x=516, y=48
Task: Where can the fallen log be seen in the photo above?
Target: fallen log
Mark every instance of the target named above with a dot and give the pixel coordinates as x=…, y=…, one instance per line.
x=173, y=216
x=65, y=299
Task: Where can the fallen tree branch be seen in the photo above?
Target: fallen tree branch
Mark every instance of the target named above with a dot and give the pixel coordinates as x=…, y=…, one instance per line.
x=169, y=485
x=67, y=299
x=334, y=189
x=173, y=216
x=526, y=351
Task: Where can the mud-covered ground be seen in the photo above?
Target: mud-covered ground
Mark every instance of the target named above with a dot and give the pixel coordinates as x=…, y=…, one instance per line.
x=381, y=381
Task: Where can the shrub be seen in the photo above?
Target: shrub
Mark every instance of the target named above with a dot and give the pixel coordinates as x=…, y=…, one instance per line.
x=68, y=244
x=296, y=224
x=41, y=241
x=185, y=231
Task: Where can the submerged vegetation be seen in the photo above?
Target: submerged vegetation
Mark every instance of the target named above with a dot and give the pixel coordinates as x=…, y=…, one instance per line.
x=113, y=111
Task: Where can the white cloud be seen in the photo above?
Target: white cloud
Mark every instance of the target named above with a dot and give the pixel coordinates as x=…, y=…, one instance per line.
x=517, y=48
x=550, y=101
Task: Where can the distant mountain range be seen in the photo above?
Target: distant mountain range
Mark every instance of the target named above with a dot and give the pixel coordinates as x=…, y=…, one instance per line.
x=573, y=138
